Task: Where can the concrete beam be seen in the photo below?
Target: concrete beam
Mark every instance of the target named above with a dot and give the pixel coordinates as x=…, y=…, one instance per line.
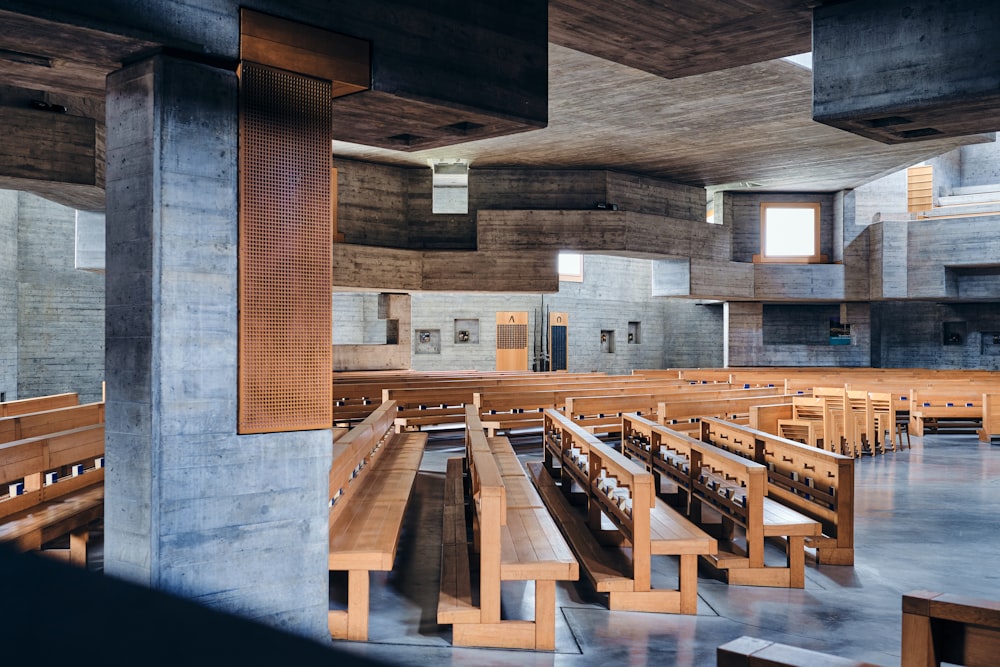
x=626, y=233
x=899, y=71
x=389, y=269
x=47, y=146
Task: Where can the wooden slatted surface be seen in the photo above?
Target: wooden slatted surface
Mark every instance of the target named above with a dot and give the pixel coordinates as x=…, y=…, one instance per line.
x=780, y=520
x=533, y=548
x=672, y=534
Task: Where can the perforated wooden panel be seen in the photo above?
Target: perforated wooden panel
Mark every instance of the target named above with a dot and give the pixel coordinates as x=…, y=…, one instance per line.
x=285, y=252
x=512, y=341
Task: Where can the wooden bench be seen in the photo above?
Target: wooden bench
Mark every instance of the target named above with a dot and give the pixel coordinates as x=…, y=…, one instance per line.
x=941, y=628
x=953, y=409
x=52, y=486
x=685, y=415
x=443, y=404
x=602, y=414
x=638, y=519
x=815, y=482
x=38, y=404
x=32, y=424
x=991, y=417
x=513, y=537
x=938, y=628
x=504, y=408
x=734, y=488
x=371, y=480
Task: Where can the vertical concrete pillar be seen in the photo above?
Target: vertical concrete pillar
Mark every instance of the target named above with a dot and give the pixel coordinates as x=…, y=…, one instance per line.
x=744, y=333
x=238, y=523
x=8, y=294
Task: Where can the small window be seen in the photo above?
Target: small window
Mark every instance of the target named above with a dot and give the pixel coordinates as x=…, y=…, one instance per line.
x=789, y=232
x=571, y=267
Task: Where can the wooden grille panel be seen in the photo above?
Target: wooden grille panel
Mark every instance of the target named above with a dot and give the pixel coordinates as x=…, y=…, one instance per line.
x=512, y=341
x=512, y=336
x=285, y=356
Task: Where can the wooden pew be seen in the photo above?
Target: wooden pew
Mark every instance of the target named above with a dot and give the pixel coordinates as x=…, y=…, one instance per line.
x=443, y=404
x=371, y=480
x=991, y=417
x=752, y=652
x=515, y=540
x=936, y=410
x=52, y=485
x=941, y=628
x=504, y=408
x=938, y=628
x=736, y=489
x=815, y=482
x=38, y=404
x=685, y=415
x=602, y=414
x=357, y=393
x=32, y=424
x=640, y=519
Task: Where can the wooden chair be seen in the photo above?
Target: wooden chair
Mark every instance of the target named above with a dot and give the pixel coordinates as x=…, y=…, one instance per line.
x=806, y=424
x=889, y=427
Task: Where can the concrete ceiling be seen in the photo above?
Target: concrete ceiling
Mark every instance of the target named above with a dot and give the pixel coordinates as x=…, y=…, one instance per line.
x=750, y=124
x=690, y=92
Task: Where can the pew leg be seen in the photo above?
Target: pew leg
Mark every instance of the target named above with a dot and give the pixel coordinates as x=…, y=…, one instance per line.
x=796, y=561
x=545, y=615
x=688, y=583
x=78, y=547
x=357, y=605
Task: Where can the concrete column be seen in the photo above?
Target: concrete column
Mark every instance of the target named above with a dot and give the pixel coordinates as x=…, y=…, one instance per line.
x=8, y=294
x=238, y=523
x=743, y=324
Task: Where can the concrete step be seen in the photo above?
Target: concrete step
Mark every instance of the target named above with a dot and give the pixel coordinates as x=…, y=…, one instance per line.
x=987, y=208
x=975, y=189
x=978, y=198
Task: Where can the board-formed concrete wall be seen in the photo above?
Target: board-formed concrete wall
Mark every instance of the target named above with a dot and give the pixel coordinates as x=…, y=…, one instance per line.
x=614, y=293
x=913, y=335
x=60, y=321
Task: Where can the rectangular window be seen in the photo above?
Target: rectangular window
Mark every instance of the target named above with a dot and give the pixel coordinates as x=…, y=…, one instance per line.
x=789, y=232
x=571, y=267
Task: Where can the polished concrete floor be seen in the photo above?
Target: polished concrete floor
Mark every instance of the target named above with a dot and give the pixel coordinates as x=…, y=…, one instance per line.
x=927, y=518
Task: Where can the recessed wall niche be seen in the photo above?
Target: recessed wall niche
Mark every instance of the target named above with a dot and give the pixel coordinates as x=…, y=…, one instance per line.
x=607, y=340
x=467, y=332
x=954, y=333
x=428, y=341
x=634, y=332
